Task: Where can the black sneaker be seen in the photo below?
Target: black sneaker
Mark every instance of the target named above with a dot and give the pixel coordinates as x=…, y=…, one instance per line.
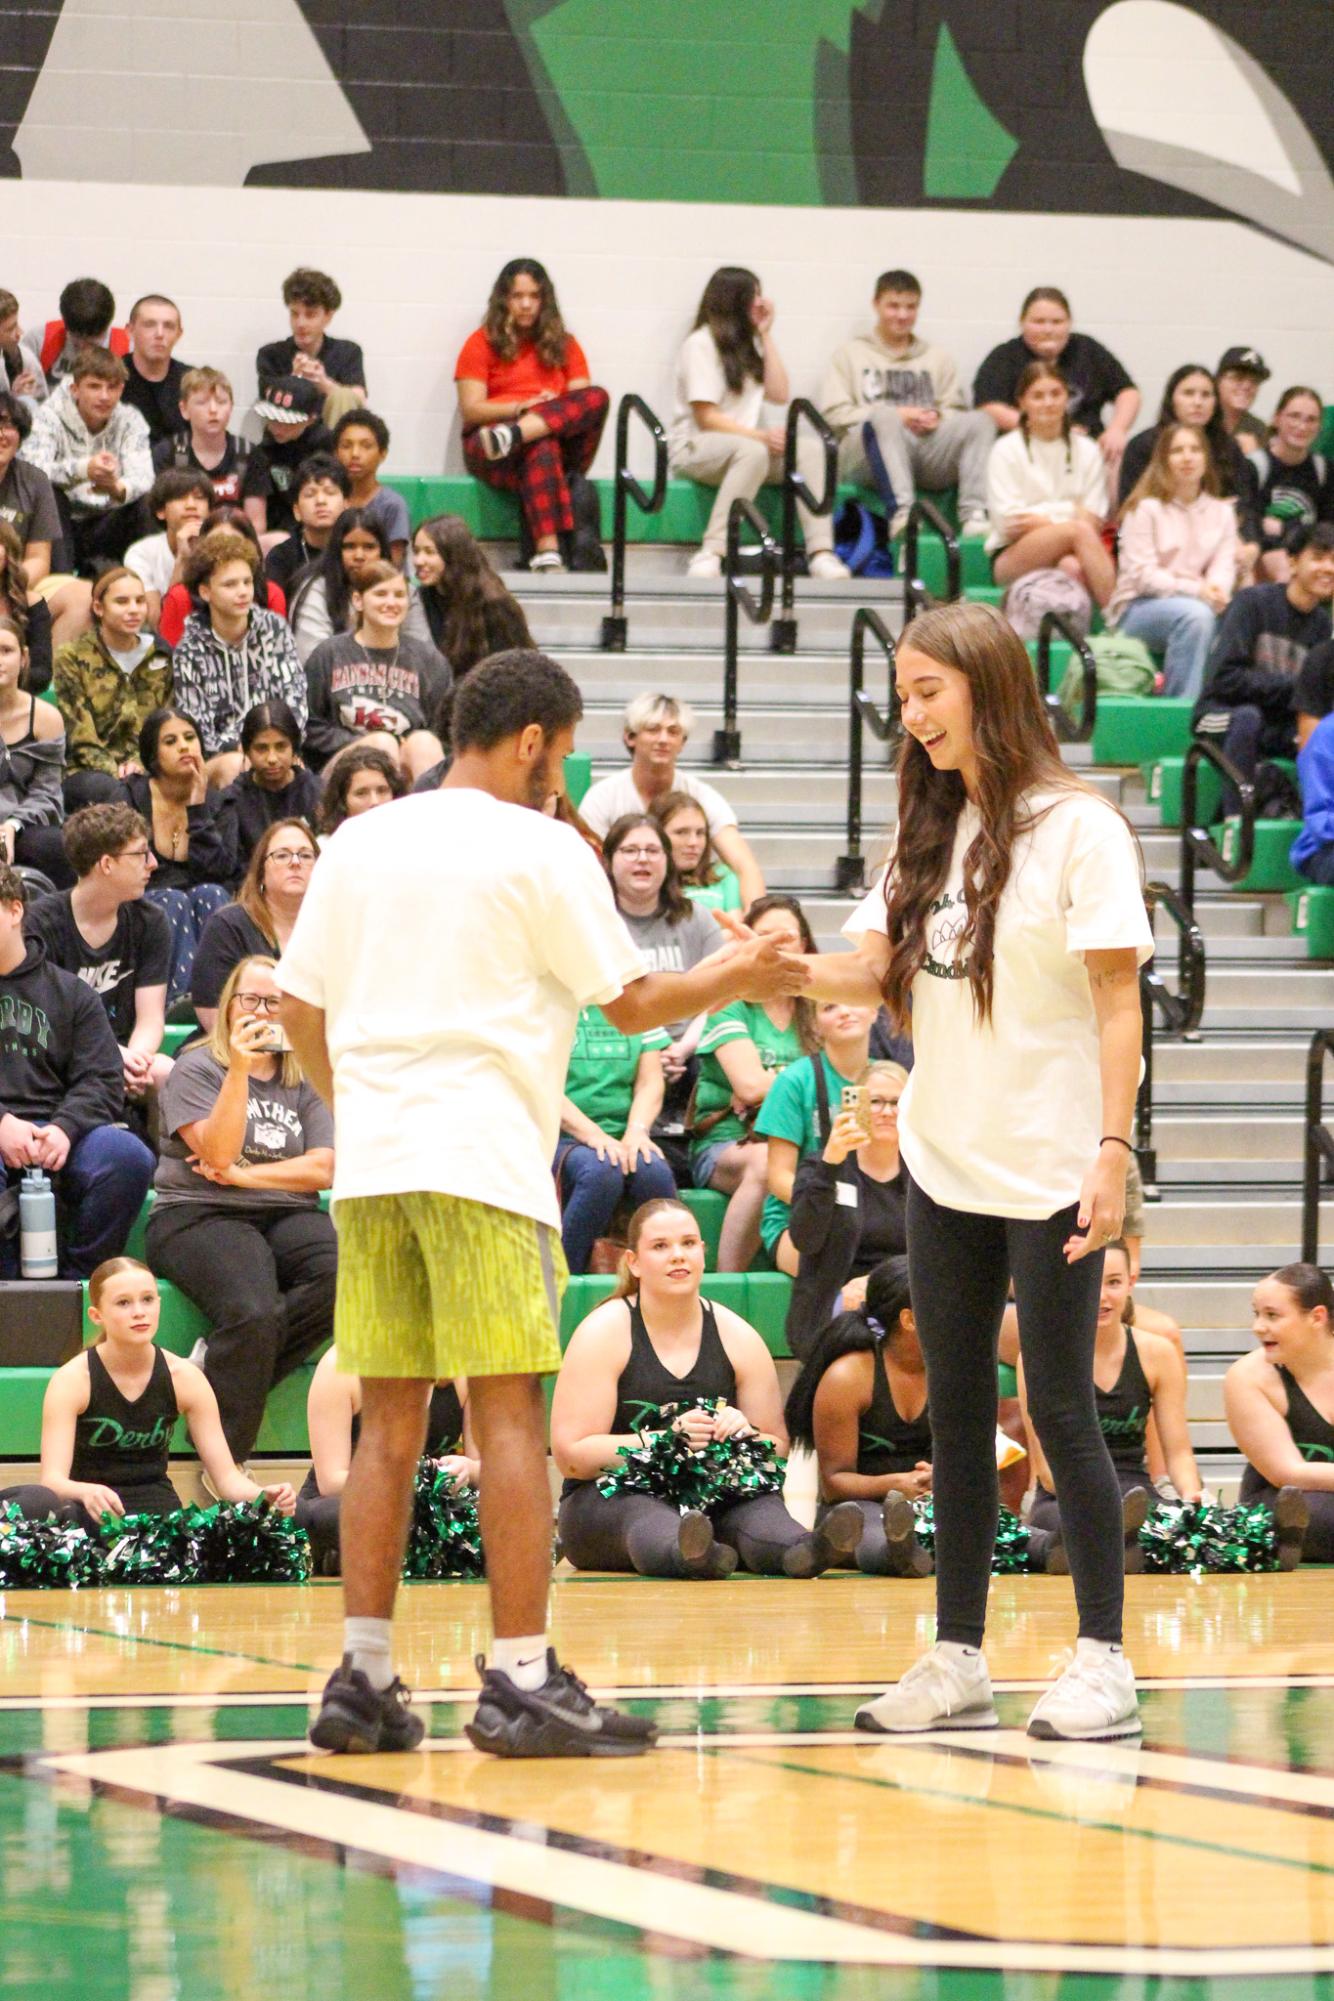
x=836, y=1537
x=356, y=1717
x=1292, y=1516
x=558, y=1720
x=907, y=1558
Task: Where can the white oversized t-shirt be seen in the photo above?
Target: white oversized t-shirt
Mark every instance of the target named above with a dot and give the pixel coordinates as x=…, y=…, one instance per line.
x=451, y=941
x=604, y=803
x=1004, y=1118
x=700, y=379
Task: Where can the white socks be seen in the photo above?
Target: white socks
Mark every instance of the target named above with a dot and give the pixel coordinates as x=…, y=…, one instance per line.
x=523, y=1660
x=1094, y=1647
x=955, y=1650
x=367, y=1642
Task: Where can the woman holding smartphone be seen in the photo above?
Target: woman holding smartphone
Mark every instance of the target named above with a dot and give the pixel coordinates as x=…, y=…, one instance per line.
x=1012, y=919
x=247, y=1147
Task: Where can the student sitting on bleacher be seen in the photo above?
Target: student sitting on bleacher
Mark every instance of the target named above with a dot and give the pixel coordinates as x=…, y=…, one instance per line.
x=468, y=609
x=62, y=1092
x=318, y=496
x=605, y=1153
x=1295, y=482
x=247, y=1147
x=96, y=454
x=1191, y=397
x=335, y=366
x=275, y=785
x=1047, y=491
x=658, y=1341
x=180, y=499
x=105, y=685
x=154, y=375
x=744, y=1047
x=1239, y=374
x=28, y=507
x=192, y=831
x=108, y=1418
x=21, y=371
x=377, y=683
x=798, y=1113
x=361, y=446
x=726, y=372
x=32, y=619
x=333, y=1419
x=260, y=919
x=1258, y=653
x=906, y=393
x=1278, y=1402
x=232, y=653
x=656, y=730
x=203, y=444
x=87, y=310
x=111, y=937
x=322, y=595
x=293, y=434
x=533, y=417
x=357, y=781
x=32, y=757
x=706, y=879
x=1094, y=374
x=183, y=598
x=1177, y=558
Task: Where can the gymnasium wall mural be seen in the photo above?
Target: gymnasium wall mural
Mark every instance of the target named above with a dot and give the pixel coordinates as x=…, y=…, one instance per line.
x=1058, y=106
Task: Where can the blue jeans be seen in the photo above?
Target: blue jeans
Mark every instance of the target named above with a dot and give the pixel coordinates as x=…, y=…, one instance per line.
x=99, y=1192
x=187, y=912
x=1182, y=630
x=590, y=1190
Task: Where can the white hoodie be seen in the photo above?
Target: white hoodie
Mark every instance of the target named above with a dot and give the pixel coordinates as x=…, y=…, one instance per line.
x=60, y=445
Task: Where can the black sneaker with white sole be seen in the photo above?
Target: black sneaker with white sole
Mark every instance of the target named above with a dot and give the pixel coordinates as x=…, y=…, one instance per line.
x=558, y=1720
x=356, y=1717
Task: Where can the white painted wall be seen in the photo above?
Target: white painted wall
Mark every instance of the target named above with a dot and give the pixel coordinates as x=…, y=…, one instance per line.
x=416, y=269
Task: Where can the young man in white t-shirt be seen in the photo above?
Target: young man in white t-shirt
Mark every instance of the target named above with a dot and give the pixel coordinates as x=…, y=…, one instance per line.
x=180, y=500
x=432, y=986
x=656, y=728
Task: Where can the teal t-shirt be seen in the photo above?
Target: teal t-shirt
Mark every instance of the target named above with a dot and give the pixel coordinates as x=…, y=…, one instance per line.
x=776, y=1047
x=723, y=893
x=603, y=1063
x=791, y=1112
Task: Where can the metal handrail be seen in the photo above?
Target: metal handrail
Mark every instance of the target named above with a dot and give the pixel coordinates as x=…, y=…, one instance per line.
x=1318, y=1152
x=1182, y=1011
x=783, y=633
x=615, y=626
x=916, y=596
x=727, y=740
x=1080, y=728
x=850, y=869
x=1198, y=846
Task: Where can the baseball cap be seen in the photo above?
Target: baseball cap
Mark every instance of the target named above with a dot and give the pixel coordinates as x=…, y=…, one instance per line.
x=288, y=399
x=1246, y=361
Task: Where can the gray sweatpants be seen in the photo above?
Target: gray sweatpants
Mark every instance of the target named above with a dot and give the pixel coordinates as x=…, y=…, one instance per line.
x=954, y=454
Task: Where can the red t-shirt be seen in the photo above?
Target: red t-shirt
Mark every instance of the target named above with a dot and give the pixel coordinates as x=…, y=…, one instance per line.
x=522, y=378
x=176, y=608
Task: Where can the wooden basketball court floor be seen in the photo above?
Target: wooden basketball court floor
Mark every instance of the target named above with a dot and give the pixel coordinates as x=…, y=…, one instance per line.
x=166, y=1836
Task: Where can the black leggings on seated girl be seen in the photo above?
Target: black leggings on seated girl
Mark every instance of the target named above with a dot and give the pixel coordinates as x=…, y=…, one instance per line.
x=639, y=1532
x=37, y=1502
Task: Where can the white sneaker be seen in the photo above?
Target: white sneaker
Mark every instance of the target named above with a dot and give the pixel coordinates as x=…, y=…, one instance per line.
x=705, y=563
x=549, y=560
x=977, y=525
x=943, y=1690
x=1095, y=1697
x=898, y=523
x=825, y=566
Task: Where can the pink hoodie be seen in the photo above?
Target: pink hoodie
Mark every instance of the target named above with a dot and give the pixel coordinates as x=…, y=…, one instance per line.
x=1167, y=550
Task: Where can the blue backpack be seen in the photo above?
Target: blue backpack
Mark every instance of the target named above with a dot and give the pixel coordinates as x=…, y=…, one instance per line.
x=861, y=540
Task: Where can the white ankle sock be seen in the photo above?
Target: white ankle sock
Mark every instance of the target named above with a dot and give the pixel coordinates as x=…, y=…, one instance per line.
x=957, y=1651
x=1085, y=1645
x=523, y=1660
x=367, y=1641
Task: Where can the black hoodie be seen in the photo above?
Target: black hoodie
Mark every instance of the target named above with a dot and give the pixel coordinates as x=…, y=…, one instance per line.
x=59, y=1060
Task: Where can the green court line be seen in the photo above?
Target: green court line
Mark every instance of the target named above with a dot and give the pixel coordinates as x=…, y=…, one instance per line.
x=1046, y=1813
x=146, y=1640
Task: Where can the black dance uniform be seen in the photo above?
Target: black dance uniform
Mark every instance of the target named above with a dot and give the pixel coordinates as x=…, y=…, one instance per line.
x=318, y=1513
x=1123, y=1419
x=119, y=1444
x=1313, y=1436
x=641, y=1533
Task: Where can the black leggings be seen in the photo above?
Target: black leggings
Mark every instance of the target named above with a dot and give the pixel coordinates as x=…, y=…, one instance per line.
x=873, y=1558
x=639, y=1532
x=1318, y=1542
x=1045, y=1512
x=959, y=1267
x=318, y=1515
x=37, y=1502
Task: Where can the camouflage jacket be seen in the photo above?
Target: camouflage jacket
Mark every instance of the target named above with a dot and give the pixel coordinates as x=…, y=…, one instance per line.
x=104, y=707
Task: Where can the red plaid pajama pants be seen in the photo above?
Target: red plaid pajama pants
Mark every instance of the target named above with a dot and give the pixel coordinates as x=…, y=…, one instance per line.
x=538, y=472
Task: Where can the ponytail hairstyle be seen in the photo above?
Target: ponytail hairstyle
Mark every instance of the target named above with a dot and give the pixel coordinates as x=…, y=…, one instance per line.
x=1016, y=755
x=108, y=1269
x=626, y=1282
x=725, y=310
x=1308, y=1285
x=887, y=1299
x=1044, y=371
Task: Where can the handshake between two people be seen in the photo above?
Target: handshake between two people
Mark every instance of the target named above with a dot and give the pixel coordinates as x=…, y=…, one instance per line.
x=766, y=968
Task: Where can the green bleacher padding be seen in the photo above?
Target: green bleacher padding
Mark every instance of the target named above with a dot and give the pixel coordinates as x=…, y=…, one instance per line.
x=758, y=1296
x=767, y=1296
x=708, y=1210
x=176, y=1035
x=984, y=594
x=976, y=567
x=21, y=1413
x=578, y=775
x=284, y=1427
x=1007, y=1380
x=1313, y=918
x=1131, y=730
x=1270, y=867
x=1163, y=778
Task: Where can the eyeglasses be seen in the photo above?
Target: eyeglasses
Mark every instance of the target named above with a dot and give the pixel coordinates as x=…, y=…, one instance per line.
x=642, y=854
x=8, y=427
x=133, y=854
x=259, y=1003
x=883, y=1104
x=286, y=856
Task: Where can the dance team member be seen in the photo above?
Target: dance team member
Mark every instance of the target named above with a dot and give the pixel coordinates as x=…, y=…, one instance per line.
x=1276, y=1401
x=1012, y=919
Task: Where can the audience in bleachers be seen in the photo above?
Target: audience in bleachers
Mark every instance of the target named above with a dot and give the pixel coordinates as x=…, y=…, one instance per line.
x=1177, y=558
x=1278, y=1401
x=1312, y=852
x=317, y=497
x=656, y=730
x=87, y=309
x=606, y=1153
x=106, y=684
x=376, y=682
x=670, y=932
x=275, y=785
x=183, y=598
x=180, y=499
x=533, y=416
x=848, y=1210
x=247, y=1148
x=258, y=922
x=358, y=780
x=742, y=1049
x=232, y=652
x=33, y=619
x=898, y=406
x=27, y=497
x=1191, y=397
x=94, y=449
x=153, y=375
x=294, y=431
x=322, y=594
x=109, y=934
x=192, y=832
x=203, y=443
x=1047, y=490
x=361, y=446
x=797, y=1115
x=706, y=879
x=1261, y=644
x=1294, y=482
x=468, y=609
x=63, y=1094
x=658, y=1341
x=1092, y=373
x=21, y=373
x=1239, y=375
x=334, y=365
x=32, y=760
x=727, y=371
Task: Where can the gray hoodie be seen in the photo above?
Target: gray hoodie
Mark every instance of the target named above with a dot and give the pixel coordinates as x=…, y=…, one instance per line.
x=61, y=444
x=865, y=371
